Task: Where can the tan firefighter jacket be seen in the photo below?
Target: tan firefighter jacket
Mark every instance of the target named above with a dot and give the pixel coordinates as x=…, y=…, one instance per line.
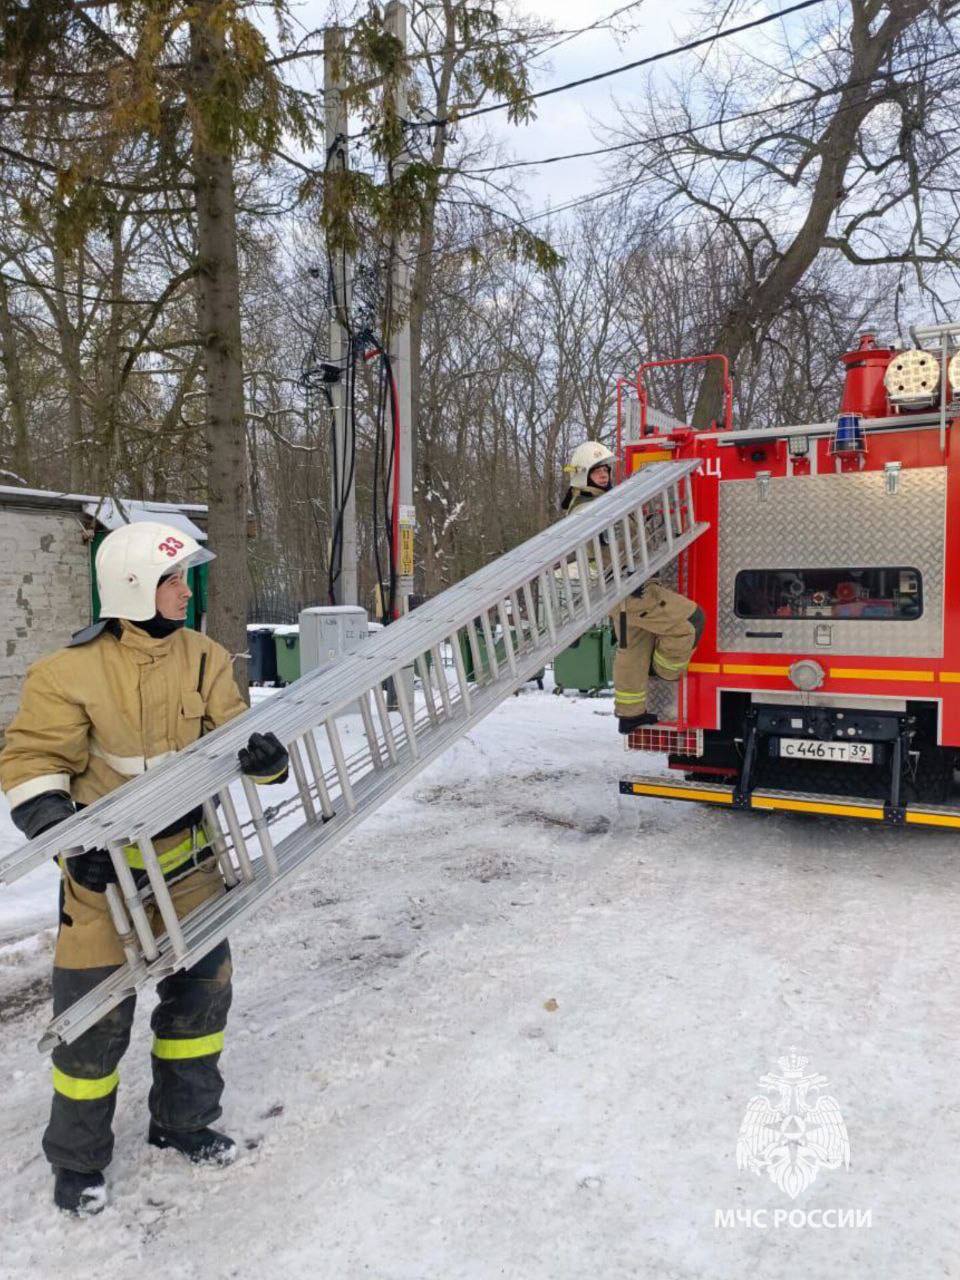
x=94, y=715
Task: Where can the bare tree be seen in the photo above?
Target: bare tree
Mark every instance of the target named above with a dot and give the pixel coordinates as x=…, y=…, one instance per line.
x=853, y=151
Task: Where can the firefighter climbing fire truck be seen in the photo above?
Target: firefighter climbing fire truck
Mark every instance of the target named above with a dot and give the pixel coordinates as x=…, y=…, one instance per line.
x=828, y=677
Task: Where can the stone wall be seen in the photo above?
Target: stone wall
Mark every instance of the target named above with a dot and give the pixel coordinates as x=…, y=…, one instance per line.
x=44, y=591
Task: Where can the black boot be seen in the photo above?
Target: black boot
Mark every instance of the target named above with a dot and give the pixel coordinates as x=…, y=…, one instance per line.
x=202, y=1146
x=82, y=1194
x=627, y=724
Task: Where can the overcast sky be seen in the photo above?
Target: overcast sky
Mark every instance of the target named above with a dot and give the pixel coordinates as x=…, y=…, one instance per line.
x=571, y=121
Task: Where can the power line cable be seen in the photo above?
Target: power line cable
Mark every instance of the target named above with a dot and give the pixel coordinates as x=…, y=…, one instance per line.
x=436, y=122
x=604, y=192
x=616, y=71
x=818, y=96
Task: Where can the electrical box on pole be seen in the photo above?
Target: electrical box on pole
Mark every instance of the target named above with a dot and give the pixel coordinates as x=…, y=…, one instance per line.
x=343, y=491
x=328, y=632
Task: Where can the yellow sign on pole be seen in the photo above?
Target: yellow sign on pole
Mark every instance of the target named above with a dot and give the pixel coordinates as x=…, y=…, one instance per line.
x=408, y=522
x=406, y=550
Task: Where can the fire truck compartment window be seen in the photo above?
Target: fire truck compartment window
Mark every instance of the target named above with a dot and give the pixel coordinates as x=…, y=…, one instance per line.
x=869, y=595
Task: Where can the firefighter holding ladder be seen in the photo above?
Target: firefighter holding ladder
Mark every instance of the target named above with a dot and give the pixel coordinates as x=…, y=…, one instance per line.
x=126, y=693
x=657, y=628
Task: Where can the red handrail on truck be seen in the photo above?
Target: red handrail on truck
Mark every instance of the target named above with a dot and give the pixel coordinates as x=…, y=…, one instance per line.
x=659, y=364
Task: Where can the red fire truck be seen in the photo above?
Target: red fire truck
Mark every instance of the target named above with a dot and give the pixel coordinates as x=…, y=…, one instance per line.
x=828, y=677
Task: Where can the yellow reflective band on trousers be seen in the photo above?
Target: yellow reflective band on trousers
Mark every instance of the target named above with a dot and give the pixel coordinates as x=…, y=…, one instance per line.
x=173, y=858
x=81, y=1090
x=197, y=1047
x=624, y=695
x=670, y=663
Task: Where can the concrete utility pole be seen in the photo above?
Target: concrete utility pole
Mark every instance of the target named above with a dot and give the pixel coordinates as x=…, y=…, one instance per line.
x=343, y=472
x=405, y=518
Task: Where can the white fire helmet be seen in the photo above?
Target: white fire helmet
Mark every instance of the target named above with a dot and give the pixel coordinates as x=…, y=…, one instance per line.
x=584, y=458
x=132, y=560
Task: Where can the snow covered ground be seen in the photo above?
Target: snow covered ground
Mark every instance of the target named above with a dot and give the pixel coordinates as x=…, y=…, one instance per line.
x=510, y=1029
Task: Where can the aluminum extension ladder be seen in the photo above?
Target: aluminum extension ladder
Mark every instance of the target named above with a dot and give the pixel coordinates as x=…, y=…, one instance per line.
x=511, y=617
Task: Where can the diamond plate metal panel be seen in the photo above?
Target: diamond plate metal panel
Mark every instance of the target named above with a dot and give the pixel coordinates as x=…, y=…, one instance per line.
x=835, y=521
x=662, y=698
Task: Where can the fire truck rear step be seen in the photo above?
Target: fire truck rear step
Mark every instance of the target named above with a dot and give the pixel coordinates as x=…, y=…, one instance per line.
x=863, y=809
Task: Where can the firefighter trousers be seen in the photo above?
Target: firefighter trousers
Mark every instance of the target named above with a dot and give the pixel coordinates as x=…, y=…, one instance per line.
x=188, y=1025
x=657, y=632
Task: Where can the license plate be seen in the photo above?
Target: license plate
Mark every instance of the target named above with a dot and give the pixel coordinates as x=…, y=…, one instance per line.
x=840, y=752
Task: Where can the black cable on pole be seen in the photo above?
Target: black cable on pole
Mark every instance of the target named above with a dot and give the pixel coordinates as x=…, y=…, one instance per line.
x=388, y=482
x=377, y=461
x=384, y=465
x=343, y=469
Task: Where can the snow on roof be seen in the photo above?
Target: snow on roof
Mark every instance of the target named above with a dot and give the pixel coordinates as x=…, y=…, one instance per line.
x=110, y=512
x=113, y=514
x=334, y=608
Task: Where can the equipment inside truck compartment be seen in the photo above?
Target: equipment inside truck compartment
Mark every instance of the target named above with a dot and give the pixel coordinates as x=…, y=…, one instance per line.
x=891, y=593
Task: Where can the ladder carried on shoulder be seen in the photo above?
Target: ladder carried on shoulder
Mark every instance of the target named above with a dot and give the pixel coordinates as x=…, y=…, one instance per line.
x=501, y=625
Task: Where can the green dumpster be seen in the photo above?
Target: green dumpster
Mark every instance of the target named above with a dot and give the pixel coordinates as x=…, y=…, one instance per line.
x=498, y=648
x=287, y=640
x=587, y=664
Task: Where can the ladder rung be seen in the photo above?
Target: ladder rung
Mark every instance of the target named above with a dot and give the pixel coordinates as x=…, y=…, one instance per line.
x=441, y=679
x=161, y=896
x=479, y=675
x=546, y=596
x=461, y=671
x=383, y=712
x=260, y=825
x=406, y=715
x=346, y=788
x=300, y=777
x=211, y=823
x=423, y=670
x=373, y=739
x=492, y=660
x=316, y=768
x=583, y=568
x=241, y=853
x=508, y=649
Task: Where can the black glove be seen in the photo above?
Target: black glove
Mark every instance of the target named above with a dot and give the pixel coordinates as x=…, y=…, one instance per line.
x=93, y=870
x=42, y=812
x=264, y=759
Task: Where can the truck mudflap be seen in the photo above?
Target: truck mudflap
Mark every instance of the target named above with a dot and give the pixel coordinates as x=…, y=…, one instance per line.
x=726, y=794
